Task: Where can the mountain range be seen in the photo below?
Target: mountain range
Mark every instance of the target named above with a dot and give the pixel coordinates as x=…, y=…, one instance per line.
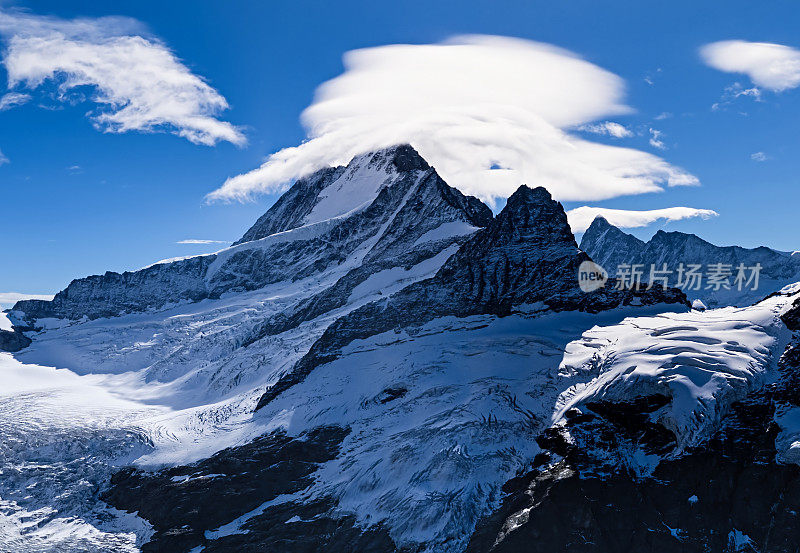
x=381, y=364
x=611, y=248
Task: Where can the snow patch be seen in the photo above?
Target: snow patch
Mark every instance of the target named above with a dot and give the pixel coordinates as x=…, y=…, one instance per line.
x=358, y=186
x=446, y=231
x=702, y=361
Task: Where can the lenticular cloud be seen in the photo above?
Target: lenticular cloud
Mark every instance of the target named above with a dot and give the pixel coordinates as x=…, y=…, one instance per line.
x=490, y=113
x=772, y=66
x=580, y=218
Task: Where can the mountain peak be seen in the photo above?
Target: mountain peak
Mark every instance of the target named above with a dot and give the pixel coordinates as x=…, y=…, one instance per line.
x=600, y=224
x=335, y=191
x=531, y=214
x=526, y=194
x=404, y=158
x=609, y=246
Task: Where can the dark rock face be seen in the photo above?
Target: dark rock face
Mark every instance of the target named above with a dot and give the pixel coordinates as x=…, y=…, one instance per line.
x=293, y=206
x=183, y=503
x=112, y=293
x=13, y=341
x=263, y=257
x=732, y=494
x=305, y=528
x=526, y=255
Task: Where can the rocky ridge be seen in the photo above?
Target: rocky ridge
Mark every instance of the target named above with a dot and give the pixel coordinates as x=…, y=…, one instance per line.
x=610, y=247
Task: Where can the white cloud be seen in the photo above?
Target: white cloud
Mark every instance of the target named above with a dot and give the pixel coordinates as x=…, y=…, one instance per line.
x=7, y=299
x=3, y=158
x=196, y=241
x=734, y=91
x=608, y=128
x=138, y=83
x=655, y=139
x=580, y=218
x=650, y=77
x=663, y=115
x=467, y=105
x=772, y=66
x=759, y=156
x=12, y=100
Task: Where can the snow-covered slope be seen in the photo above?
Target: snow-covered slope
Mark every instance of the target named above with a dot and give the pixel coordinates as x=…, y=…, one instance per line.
x=701, y=362
x=357, y=374
x=610, y=247
x=671, y=433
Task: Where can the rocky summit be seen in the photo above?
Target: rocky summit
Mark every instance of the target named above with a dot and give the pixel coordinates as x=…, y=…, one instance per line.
x=381, y=364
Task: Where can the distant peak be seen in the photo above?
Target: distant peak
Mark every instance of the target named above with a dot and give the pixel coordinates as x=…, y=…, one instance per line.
x=601, y=226
x=663, y=234
x=600, y=223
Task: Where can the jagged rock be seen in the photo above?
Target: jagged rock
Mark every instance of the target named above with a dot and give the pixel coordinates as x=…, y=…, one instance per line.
x=182, y=503
x=13, y=341
x=738, y=491
x=391, y=197
x=526, y=255
x=608, y=246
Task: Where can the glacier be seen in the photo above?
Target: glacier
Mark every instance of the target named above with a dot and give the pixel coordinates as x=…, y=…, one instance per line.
x=412, y=346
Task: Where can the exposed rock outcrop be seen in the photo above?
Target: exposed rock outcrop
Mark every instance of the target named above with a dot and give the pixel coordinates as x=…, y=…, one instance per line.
x=527, y=255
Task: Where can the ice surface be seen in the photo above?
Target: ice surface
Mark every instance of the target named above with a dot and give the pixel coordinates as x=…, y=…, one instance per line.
x=357, y=186
x=5, y=323
x=702, y=361
x=428, y=460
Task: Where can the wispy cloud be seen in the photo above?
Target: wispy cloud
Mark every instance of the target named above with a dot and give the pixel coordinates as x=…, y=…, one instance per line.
x=468, y=105
x=759, y=156
x=580, y=218
x=734, y=91
x=771, y=66
x=12, y=100
x=655, y=139
x=608, y=128
x=650, y=77
x=663, y=115
x=3, y=158
x=139, y=84
x=196, y=241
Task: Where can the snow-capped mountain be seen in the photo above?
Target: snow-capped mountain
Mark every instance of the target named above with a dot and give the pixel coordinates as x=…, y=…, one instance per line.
x=611, y=248
x=386, y=209
x=694, y=448
x=382, y=365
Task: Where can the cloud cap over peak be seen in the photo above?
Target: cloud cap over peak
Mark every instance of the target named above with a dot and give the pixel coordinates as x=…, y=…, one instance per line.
x=772, y=66
x=139, y=84
x=489, y=113
x=581, y=217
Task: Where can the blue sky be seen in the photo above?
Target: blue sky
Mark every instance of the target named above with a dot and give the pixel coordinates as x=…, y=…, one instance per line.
x=77, y=201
